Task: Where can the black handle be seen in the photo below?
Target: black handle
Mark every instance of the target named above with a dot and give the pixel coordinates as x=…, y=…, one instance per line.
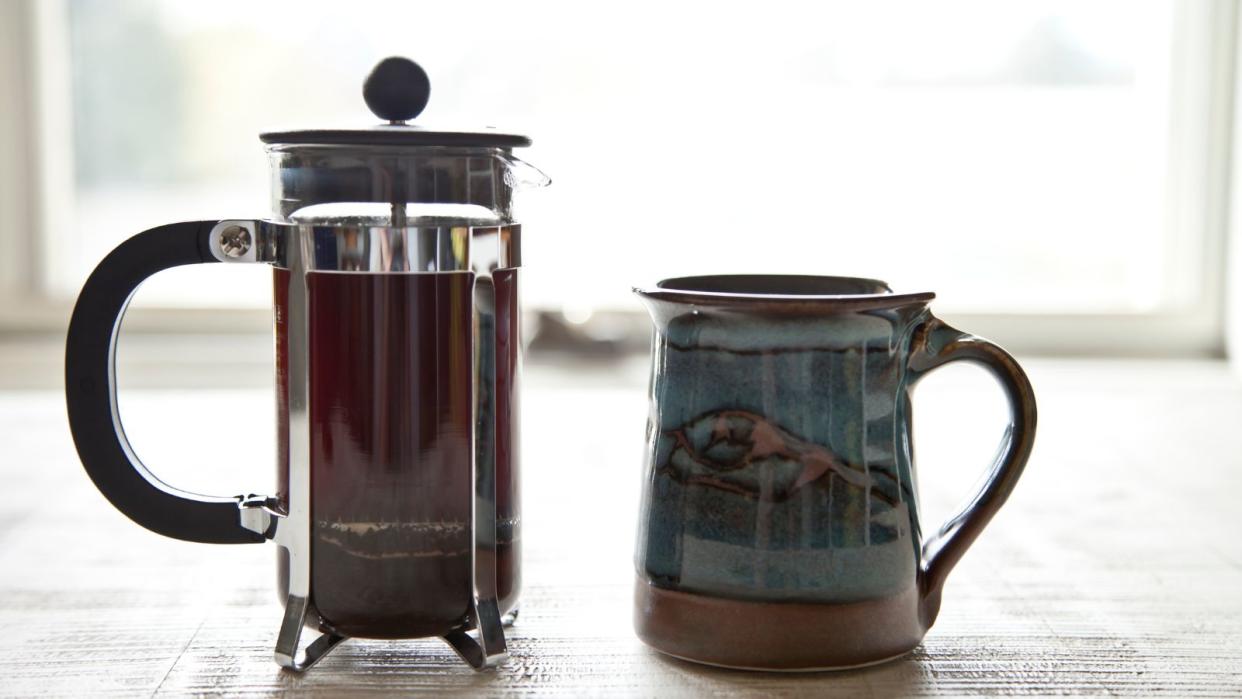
x=90, y=392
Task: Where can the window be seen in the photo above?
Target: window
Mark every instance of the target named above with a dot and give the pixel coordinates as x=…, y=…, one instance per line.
x=1046, y=163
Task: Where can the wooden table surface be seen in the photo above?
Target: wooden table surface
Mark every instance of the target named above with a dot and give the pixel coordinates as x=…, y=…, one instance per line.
x=1116, y=568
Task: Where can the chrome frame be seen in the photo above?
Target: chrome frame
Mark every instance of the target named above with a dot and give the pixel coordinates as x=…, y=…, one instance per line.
x=431, y=247
x=489, y=648
x=294, y=247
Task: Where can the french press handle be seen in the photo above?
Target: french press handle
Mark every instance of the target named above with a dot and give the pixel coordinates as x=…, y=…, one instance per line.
x=90, y=392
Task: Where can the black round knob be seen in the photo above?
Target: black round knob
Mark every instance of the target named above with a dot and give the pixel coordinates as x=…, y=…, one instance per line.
x=397, y=89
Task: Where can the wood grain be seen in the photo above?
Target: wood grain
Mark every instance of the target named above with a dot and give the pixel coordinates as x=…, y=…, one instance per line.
x=1115, y=569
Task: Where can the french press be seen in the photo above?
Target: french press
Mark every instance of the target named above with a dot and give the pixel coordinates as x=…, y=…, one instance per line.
x=395, y=253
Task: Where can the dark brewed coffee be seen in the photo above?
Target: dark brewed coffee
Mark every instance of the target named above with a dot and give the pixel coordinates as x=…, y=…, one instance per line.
x=392, y=360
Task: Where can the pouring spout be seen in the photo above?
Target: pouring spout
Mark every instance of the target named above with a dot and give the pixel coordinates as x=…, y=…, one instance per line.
x=522, y=175
x=661, y=309
x=649, y=299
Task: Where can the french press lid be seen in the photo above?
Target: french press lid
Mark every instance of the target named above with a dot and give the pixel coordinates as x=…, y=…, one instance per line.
x=414, y=170
x=396, y=91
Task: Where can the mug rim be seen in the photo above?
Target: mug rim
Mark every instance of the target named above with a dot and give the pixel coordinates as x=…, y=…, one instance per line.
x=883, y=296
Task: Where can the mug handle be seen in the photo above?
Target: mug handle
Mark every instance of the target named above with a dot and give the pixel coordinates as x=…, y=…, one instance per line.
x=935, y=344
x=90, y=392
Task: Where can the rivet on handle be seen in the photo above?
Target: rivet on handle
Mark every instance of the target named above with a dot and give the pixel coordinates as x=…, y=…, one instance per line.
x=238, y=240
x=235, y=241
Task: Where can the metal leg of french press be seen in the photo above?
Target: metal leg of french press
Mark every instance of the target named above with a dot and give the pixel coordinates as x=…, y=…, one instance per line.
x=287, y=655
x=260, y=515
x=486, y=647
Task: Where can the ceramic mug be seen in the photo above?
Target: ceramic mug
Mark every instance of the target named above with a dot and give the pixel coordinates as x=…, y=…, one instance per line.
x=779, y=527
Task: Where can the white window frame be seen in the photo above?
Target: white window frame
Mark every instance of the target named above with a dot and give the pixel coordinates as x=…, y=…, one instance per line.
x=36, y=180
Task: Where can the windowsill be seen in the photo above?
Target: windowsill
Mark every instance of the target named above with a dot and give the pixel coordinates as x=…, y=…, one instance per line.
x=234, y=349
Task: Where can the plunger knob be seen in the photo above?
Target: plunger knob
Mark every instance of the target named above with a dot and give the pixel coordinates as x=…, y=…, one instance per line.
x=397, y=89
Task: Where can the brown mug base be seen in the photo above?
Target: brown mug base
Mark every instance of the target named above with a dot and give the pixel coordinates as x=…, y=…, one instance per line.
x=776, y=636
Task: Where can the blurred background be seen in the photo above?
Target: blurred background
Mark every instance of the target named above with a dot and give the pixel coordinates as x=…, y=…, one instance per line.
x=1056, y=171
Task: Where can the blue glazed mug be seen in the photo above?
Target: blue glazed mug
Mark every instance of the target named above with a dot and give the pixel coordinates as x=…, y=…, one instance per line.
x=779, y=527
